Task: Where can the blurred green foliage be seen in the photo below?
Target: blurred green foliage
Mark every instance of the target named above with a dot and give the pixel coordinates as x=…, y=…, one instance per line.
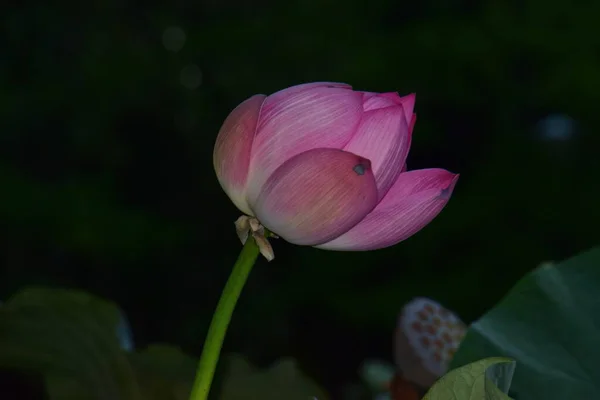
x=72, y=339
x=107, y=180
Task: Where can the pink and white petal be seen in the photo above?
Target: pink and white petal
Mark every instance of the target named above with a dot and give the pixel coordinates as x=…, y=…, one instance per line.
x=231, y=155
x=383, y=138
x=316, y=196
x=414, y=200
x=319, y=117
x=287, y=92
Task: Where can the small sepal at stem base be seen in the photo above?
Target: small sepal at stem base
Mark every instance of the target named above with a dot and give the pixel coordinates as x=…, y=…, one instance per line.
x=245, y=225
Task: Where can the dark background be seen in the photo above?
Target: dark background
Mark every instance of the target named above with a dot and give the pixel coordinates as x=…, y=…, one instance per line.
x=109, y=112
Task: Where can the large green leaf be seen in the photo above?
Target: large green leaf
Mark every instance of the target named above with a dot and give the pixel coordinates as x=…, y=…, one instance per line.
x=164, y=372
x=550, y=324
x=282, y=381
x=70, y=337
x=487, y=379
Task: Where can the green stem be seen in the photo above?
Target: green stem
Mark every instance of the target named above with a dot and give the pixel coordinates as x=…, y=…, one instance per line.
x=221, y=318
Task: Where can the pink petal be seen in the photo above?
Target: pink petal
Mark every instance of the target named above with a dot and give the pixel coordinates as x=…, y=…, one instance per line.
x=383, y=138
x=408, y=103
x=298, y=120
x=231, y=156
x=414, y=200
x=316, y=196
x=412, y=123
x=374, y=101
x=285, y=93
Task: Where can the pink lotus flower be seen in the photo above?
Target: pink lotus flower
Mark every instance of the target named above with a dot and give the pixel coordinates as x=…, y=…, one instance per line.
x=322, y=165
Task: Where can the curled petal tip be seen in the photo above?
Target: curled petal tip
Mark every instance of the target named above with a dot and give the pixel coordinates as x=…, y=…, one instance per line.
x=408, y=104
x=447, y=191
x=414, y=200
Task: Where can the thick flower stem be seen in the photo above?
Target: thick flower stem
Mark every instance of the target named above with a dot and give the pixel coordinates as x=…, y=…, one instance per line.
x=221, y=318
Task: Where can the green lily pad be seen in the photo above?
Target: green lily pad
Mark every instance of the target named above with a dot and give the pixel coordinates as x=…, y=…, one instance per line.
x=282, y=381
x=481, y=380
x=72, y=338
x=69, y=337
x=164, y=372
x=550, y=324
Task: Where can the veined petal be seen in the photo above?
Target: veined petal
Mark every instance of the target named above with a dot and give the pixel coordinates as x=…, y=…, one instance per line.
x=383, y=138
x=300, y=120
x=316, y=196
x=292, y=90
x=231, y=156
x=373, y=101
x=414, y=200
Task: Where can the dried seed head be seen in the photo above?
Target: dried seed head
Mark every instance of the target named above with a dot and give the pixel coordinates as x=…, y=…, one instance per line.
x=427, y=337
